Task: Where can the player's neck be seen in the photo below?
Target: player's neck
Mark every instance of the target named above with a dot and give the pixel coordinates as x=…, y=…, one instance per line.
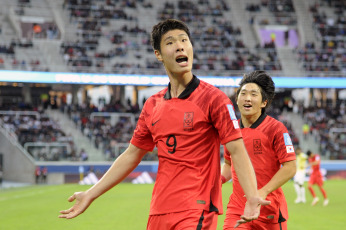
x=249, y=120
x=179, y=83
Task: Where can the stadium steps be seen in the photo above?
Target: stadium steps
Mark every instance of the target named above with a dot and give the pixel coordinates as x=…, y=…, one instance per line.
x=81, y=142
x=297, y=123
x=50, y=50
x=59, y=15
x=289, y=63
x=29, y=55
x=6, y=35
x=240, y=19
x=305, y=21
x=39, y=8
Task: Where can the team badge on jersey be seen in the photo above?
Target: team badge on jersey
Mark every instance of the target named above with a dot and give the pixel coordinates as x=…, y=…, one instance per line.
x=188, y=121
x=257, y=146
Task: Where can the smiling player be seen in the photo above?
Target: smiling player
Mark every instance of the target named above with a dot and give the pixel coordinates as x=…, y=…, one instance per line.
x=269, y=147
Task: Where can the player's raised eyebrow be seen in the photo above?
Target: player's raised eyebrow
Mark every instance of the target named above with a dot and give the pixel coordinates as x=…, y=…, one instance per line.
x=171, y=37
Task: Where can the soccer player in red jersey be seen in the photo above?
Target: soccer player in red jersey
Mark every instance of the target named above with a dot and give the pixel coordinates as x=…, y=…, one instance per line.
x=316, y=178
x=271, y=152
x=187, y=122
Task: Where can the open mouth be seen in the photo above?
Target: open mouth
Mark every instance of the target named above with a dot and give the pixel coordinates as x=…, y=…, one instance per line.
x=181, y=59
x=247, y=106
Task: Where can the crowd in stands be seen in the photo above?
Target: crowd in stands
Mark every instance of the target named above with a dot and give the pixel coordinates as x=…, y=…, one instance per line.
x=112, y=136
x=104, y=132
x=17, y=62
x=282, y=11
x=330, y=54
x=327, y=125
x=216, y=40
x=38, y=134
x=219, y=49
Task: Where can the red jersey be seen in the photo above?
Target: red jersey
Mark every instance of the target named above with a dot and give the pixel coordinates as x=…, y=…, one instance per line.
x=269, y=145
x=315, y=158
x=187, y=132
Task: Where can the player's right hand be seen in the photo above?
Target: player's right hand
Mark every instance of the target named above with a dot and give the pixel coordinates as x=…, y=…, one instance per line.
x=252, y=210
x=81, y=204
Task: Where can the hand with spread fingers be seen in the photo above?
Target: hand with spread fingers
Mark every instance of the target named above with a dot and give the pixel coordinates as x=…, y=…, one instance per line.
x=81, y=204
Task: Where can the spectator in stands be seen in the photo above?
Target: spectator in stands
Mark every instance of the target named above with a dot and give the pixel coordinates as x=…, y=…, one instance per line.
x=37, y=30
x=306, y=130
x=2, y=63
x=83, y=155
x=186, y=151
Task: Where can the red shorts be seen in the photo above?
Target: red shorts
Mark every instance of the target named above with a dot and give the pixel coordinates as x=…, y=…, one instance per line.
x=316, y=179
x=190, y=219
x=231, y=220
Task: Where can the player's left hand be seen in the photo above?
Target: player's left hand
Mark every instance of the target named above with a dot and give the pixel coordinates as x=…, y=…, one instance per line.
x=252, y=210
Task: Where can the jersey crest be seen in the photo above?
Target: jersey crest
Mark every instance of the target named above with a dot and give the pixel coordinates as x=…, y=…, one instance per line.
x=188, y=121
x=257, y=146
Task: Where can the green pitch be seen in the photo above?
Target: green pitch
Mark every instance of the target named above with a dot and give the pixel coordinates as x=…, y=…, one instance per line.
x=127, y=207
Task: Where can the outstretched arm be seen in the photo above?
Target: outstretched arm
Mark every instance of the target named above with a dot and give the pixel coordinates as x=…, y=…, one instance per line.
x=121, y=167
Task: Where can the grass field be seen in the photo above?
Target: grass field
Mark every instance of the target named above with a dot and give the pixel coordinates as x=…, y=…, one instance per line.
x=126, y=207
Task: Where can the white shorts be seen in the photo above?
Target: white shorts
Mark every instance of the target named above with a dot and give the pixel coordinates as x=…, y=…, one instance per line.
x=299, y=178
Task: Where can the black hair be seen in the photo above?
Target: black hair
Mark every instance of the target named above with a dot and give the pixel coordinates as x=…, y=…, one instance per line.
x=308, y=153
x=265, y=83
x=163, y=27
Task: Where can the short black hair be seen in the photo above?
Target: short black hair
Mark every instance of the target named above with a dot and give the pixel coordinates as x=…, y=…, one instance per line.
x=265, y=83
x=163, y=27
x=308, y=153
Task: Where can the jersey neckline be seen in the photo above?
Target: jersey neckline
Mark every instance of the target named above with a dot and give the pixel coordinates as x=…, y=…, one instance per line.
x=193, y=84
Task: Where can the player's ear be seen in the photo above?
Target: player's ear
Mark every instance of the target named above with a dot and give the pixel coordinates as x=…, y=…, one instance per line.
x=264, y=104
x=158, y=55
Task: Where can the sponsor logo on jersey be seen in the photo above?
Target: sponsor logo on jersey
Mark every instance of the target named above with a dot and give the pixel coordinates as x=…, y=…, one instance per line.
x=287, y=139
x=152, y=124
x=257, y=146
x=188, y=121
x=201, y=202
x=231, y=112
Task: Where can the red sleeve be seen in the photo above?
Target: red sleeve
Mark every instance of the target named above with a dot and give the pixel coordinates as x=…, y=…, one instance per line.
x=142, y=137
x=224, y=118
x=226, y=154
x=284, y=150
